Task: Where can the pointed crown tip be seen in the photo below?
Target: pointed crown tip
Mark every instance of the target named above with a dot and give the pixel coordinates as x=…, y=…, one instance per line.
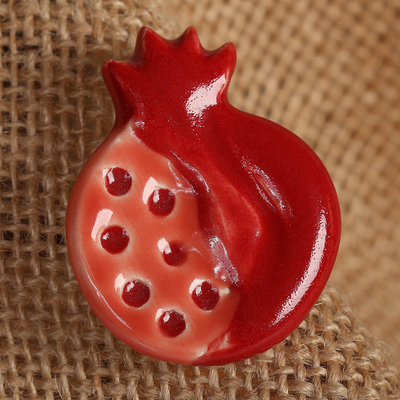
x=149, y=41
x=190, y=33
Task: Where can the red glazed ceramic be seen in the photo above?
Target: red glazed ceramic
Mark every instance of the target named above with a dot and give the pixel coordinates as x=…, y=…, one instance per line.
x=198, y=233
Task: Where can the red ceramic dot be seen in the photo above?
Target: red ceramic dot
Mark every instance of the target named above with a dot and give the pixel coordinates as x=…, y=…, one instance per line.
x=136, y=293
x=205, y=296
x=161, y=202
x=114, y=239
x=172, y=323
x=118, y=181
x=174, y=254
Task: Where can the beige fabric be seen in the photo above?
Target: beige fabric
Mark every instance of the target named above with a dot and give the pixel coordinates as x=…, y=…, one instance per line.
x=328, y=70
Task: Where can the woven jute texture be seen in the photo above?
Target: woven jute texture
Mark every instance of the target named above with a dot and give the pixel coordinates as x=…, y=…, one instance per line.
x=327, y=70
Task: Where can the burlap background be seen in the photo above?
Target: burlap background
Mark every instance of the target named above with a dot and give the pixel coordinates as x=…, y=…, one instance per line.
x=326, y=69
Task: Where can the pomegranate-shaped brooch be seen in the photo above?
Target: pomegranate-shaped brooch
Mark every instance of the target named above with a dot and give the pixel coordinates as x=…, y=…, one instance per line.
x=198, y=233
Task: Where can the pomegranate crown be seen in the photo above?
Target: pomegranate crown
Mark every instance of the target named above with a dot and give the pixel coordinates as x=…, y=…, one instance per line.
x=165, y=73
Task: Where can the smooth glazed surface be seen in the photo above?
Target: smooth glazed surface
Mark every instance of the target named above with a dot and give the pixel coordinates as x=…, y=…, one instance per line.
x=199, y=234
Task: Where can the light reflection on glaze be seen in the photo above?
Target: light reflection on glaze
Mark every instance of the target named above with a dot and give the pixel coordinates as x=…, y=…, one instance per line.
x=224, y=263
x=119, y=282
x=204, y=97
x=139, y=125
x=181, y=184
x=149, y=188
x=195, y=284
x=158, y=314
x=163, y=245
x=195, y=172
x=311, y=272
x=103, y=218
x=268, y=189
